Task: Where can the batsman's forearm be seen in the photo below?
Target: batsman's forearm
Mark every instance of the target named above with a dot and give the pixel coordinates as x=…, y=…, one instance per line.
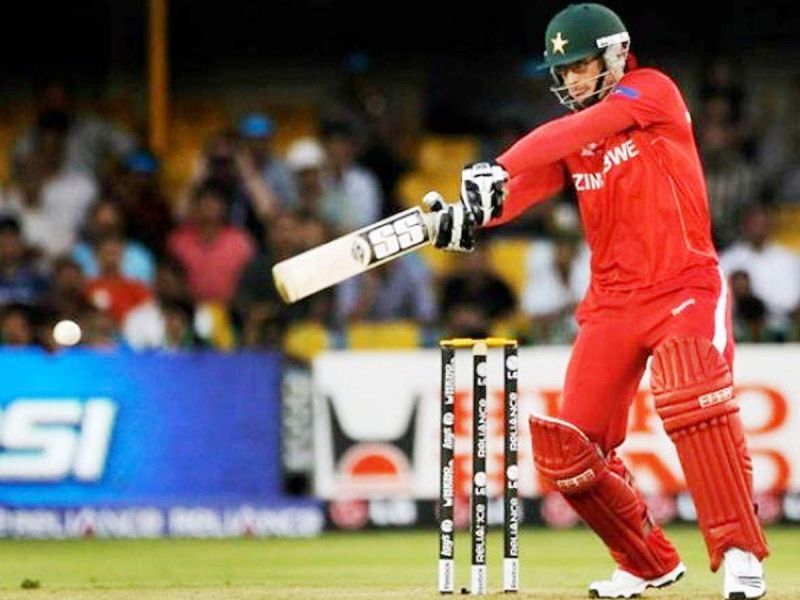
x=529, y=188
x=557, y=139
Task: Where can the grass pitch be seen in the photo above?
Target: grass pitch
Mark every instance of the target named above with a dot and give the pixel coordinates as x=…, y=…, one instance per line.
x=396, y=565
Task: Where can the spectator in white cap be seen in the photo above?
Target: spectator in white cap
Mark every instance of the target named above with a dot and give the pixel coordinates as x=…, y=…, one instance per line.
x=306, y=158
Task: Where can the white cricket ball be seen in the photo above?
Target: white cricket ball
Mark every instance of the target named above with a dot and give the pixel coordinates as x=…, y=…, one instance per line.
x=67, y=333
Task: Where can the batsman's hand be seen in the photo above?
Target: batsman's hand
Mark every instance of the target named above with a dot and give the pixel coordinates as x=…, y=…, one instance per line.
x=483, y=190
x=454, y=224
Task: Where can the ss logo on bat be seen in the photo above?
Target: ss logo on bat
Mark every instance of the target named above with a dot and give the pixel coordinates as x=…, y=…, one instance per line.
x=392, y=238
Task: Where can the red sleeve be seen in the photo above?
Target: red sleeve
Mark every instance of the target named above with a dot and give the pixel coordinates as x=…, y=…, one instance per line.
x=534, y=163
x=529, y=188
x=561, y=137
x=643, y=97
x=649, y=97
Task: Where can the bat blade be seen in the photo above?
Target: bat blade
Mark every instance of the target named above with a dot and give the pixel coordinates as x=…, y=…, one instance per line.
x=318, y=268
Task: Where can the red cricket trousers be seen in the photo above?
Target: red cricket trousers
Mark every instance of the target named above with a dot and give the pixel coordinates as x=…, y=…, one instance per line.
x=618, y=332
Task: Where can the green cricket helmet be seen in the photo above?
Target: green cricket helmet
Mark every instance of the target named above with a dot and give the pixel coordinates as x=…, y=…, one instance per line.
x=585, y=31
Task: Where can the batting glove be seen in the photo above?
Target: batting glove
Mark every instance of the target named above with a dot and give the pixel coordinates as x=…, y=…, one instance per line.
x=454, y=226
x=483, y=190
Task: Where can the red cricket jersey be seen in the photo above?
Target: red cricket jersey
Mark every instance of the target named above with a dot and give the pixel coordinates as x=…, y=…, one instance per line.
x=633, y=162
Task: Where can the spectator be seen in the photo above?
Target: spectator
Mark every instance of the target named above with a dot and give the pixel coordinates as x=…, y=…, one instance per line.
x=106, y=218
x=159, y=323
x=474, y=296
x=721, y=86
x=99, y=330
x=16, y=326
x=732, y=182
x=354, y=196
x=49, y=198
x=111, y=291
x=65, y=299
x=558, y=277
x=230, y=167
x=774, y=270
x=170, y=285
x=20, y=280
x=364, y=101
x=90, y=142
x=780, y=150
x=179, y=333
x=263, y=315
x=256, y=131
x=382, y=155
x=135, y=188
x=212, y=252
x=749, y=311
x=401, y=289
x=306, y=159
x=169, y=326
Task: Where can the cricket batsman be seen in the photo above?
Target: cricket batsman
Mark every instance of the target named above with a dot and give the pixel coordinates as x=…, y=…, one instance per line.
x=656, y=293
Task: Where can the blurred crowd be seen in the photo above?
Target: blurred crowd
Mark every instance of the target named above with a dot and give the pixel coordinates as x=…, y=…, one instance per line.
x=88, y=234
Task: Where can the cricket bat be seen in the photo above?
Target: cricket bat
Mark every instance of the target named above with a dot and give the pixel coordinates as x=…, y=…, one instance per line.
x=369, y=247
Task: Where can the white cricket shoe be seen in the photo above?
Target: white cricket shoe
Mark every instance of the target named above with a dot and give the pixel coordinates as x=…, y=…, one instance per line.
x=744, y=576
x=627, y=585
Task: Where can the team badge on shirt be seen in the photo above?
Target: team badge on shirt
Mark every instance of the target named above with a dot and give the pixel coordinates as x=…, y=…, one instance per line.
x=626, y=91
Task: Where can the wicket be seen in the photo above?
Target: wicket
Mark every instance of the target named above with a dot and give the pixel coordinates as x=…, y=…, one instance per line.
x=479, y=496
